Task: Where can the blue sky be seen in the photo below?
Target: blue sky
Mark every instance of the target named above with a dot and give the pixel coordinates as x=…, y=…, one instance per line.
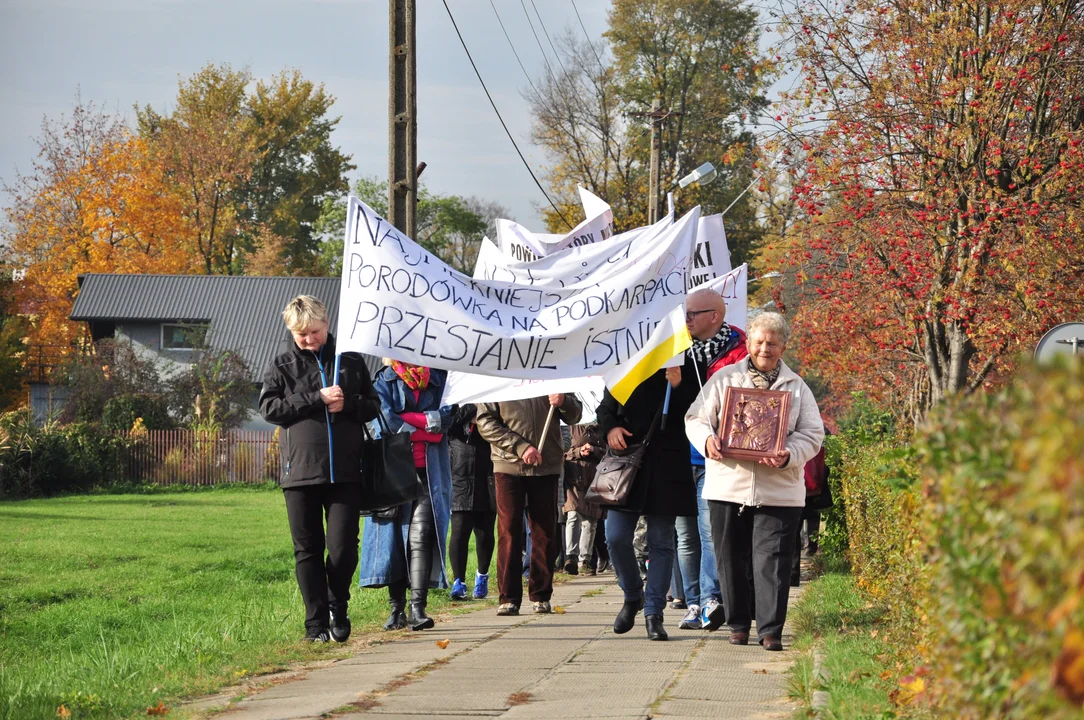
x=117, y=53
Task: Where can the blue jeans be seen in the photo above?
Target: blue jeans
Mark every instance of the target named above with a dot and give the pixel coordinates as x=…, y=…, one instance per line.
x=688, y=557
x=709, y=573
x=620, y=526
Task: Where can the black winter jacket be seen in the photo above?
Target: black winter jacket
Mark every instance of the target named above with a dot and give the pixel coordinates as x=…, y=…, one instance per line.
x=664, y=485
x=291, y=399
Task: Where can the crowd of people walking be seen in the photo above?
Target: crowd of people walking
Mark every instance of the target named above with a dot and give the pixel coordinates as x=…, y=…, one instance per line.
x=697, y=525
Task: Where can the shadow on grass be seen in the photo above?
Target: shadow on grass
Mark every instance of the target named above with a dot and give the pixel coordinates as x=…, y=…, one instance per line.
x=6, y=514
x=833, y=605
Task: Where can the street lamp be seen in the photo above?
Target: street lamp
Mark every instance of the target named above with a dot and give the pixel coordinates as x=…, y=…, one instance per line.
x=701, y=176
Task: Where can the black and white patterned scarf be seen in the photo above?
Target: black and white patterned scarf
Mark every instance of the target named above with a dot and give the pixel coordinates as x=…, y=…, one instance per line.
x=760, y=379
x=704, y=351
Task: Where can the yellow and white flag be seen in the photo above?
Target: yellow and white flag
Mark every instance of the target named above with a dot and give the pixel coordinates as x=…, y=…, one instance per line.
x=669, y=340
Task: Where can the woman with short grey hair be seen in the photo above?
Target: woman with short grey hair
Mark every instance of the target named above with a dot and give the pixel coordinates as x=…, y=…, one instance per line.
x=755, y=505
x=770, y=322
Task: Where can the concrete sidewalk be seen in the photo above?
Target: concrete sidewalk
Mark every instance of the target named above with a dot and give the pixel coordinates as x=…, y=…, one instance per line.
x=568, y=665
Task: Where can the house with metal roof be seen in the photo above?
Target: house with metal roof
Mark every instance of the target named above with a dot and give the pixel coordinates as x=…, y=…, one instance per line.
x=177, y=316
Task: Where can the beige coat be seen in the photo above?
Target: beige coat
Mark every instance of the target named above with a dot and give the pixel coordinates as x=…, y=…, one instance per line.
x=748, y=482
x=512, y=427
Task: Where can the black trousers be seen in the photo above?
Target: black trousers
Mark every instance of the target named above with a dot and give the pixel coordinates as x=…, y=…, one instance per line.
x=324, y=582
x=482, y=523
x=765, y=534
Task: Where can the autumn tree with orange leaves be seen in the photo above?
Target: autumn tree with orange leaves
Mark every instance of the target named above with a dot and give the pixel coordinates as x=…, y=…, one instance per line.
x=230, y=182
x=208, y=156
x=942, y=187
x=252, y=167
x=93, y=202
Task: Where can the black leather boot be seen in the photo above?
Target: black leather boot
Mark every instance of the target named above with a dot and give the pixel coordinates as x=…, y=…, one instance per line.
x=626, y=616
x=340, y=623
x=397, y=620
x=655, y=630
x=418, y=619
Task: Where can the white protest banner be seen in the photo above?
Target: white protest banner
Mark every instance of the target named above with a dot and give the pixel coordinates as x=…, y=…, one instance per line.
x=398, y=300
x=733, y=286
x=594, y=206
x=554, y=270
x=523, y=245
x=467, y=387
x=518, y=242
x=570, y=265
x=461, y=387
x=711, y=258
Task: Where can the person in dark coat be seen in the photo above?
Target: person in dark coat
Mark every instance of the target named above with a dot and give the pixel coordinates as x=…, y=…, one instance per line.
x=474, y=504
x=586, y=447
x=663, y=490
x=321, y=414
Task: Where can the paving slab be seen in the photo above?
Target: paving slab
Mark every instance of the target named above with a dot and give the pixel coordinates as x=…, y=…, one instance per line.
x=568, y=665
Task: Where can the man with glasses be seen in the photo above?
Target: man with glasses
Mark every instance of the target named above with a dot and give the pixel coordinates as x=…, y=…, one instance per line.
x=715, y=345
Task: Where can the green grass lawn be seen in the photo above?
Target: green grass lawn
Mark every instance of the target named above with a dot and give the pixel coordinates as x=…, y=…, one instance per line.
x=110, y=604
x=833, y=616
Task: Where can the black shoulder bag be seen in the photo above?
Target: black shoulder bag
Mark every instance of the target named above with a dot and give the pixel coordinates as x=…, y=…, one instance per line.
x=616, y=472
x=388, y=475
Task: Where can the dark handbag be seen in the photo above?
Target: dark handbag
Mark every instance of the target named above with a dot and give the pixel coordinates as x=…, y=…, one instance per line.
x=388, y=475
x=616, y=472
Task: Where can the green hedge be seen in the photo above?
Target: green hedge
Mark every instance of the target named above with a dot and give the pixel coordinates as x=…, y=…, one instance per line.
x=37, y=461
x=973, y=540
x=1004, y=519
x=884, y=543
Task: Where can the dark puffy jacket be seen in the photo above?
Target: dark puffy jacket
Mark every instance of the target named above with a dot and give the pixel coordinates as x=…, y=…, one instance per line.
x=291, y=399
x=472, y=466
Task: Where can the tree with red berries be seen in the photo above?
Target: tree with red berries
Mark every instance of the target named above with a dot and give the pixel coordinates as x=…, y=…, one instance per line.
x=942, y=187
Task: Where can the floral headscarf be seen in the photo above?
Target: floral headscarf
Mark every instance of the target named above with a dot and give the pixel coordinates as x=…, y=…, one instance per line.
x=415, y=376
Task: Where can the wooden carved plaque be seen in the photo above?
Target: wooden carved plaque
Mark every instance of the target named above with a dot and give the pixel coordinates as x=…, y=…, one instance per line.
x=753, y=424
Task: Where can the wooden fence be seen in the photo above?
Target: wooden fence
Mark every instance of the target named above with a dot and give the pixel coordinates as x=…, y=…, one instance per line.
x=190, y=457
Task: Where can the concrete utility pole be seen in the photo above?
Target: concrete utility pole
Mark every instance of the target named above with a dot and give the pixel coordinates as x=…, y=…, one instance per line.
x=658, y=116
x=403, y=117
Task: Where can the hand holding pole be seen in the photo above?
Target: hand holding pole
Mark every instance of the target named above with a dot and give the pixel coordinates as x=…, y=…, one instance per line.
x=545, y=429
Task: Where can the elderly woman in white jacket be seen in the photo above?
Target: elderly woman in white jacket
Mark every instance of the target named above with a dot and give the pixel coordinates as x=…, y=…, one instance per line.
x=755, y=506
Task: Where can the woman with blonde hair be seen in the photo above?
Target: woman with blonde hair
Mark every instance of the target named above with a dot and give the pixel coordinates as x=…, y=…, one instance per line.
x=321, y=412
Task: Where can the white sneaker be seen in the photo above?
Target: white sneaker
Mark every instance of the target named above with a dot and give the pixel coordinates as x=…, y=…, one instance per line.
x=713, y=615
x=691, y=621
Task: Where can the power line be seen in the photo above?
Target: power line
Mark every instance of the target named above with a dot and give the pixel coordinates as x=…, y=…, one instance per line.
x=548, y=38
x=511, y=45
x=503, y=125
x=545, y=58
x=589, y=41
